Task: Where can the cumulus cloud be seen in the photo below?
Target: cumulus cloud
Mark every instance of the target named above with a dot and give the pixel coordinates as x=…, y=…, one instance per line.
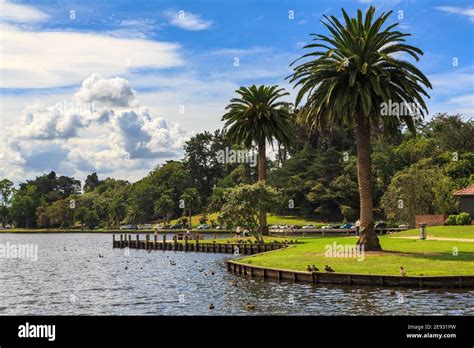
x=110, y=92
x=103, y=128
x=187, y=20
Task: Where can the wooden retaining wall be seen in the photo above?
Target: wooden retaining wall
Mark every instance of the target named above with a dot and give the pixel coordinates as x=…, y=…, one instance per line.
x=126, y=241
x=349, y=279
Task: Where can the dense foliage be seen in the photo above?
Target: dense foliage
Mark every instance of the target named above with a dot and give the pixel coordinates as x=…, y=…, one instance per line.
x=316, y=179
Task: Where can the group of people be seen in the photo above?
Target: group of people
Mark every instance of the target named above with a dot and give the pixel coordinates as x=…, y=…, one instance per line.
x=239, y=232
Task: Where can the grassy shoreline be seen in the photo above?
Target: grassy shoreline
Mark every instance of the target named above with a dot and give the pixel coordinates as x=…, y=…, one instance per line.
x=418, y=257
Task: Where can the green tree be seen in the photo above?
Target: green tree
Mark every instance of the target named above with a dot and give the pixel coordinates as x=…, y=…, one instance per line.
x=164, y=207
x=91, y=219
x=92, y=181
x=192, y=201
x=117, y=209
x=349, y=79
x=5, y=196
x=23, y=206
x=60, y=214
x=217, y=199
x=134, y=215
x=256, y=117
x=243, y=204
x=418, y=190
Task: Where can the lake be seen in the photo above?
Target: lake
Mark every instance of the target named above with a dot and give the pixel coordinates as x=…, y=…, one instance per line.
x=69, y=278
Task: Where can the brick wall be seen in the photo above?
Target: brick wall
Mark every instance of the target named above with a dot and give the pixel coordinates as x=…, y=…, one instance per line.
x=430, y=220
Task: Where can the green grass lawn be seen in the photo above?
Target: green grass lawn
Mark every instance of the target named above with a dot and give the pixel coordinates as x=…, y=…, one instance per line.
x=443, y=232
x=418, y=257
x=272, y=219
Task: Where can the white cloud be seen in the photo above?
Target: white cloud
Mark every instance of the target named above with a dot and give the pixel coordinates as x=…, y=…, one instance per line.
x=109, y=92
x=118, y=134
x=53, y=59
x=187, y=20
x=11, y=12
x=469, y=12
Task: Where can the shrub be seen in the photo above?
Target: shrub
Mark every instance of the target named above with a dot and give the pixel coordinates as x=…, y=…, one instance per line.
x=451, y=220
x=463, y=219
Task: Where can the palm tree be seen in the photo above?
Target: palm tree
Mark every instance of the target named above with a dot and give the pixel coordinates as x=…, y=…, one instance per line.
x=217, y=199
x=116, y=210
x=348, y=80
x=164, y=206
x=255, y=118
x=134, y=215
x=192, y=201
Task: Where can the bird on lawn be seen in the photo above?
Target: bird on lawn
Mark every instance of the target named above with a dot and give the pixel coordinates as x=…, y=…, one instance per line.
x=314, y=268
x=328, y=269
x=402, y=271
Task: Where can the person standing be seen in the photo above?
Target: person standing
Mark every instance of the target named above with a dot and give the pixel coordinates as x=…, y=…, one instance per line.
x=237, y=232
x=357, y=225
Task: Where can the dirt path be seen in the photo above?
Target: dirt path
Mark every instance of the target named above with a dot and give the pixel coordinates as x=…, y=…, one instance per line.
x=440, y=238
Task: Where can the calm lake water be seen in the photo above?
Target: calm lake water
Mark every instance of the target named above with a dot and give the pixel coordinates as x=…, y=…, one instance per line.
x=69, y=278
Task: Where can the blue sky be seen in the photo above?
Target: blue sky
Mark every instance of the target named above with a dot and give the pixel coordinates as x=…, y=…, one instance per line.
x=157, y=72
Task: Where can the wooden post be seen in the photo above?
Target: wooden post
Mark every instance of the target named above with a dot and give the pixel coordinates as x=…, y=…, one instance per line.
x=138, y=241
x=155, y=241
x=129, y=244
x=164, y=242
x=121, y=241
x=185, y=243
x=175, y=245
x=147, y=238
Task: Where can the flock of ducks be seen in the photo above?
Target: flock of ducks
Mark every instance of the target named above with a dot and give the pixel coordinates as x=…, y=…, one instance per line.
x=313, y=268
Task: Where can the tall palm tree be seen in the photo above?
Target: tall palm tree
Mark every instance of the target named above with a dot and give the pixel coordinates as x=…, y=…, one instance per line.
x=164, y=206
x=348, y=80
x=192, y=201
x=256, y=117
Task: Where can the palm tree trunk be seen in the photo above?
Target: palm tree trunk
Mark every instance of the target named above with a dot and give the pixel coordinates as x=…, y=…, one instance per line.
x=190, y=223
x=262, y=176
x=367, y=236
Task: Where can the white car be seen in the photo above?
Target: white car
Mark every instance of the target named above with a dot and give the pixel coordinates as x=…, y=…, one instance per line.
x=307, y=227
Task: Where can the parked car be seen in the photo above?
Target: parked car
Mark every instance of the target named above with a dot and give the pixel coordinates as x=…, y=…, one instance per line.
x=274, y=227
x=307, y=227
x=380, y=224
x=347, y=226
x=329, y=227
x=128, y=227
x=177, y=226
x=404, y=226
x=203, y=227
